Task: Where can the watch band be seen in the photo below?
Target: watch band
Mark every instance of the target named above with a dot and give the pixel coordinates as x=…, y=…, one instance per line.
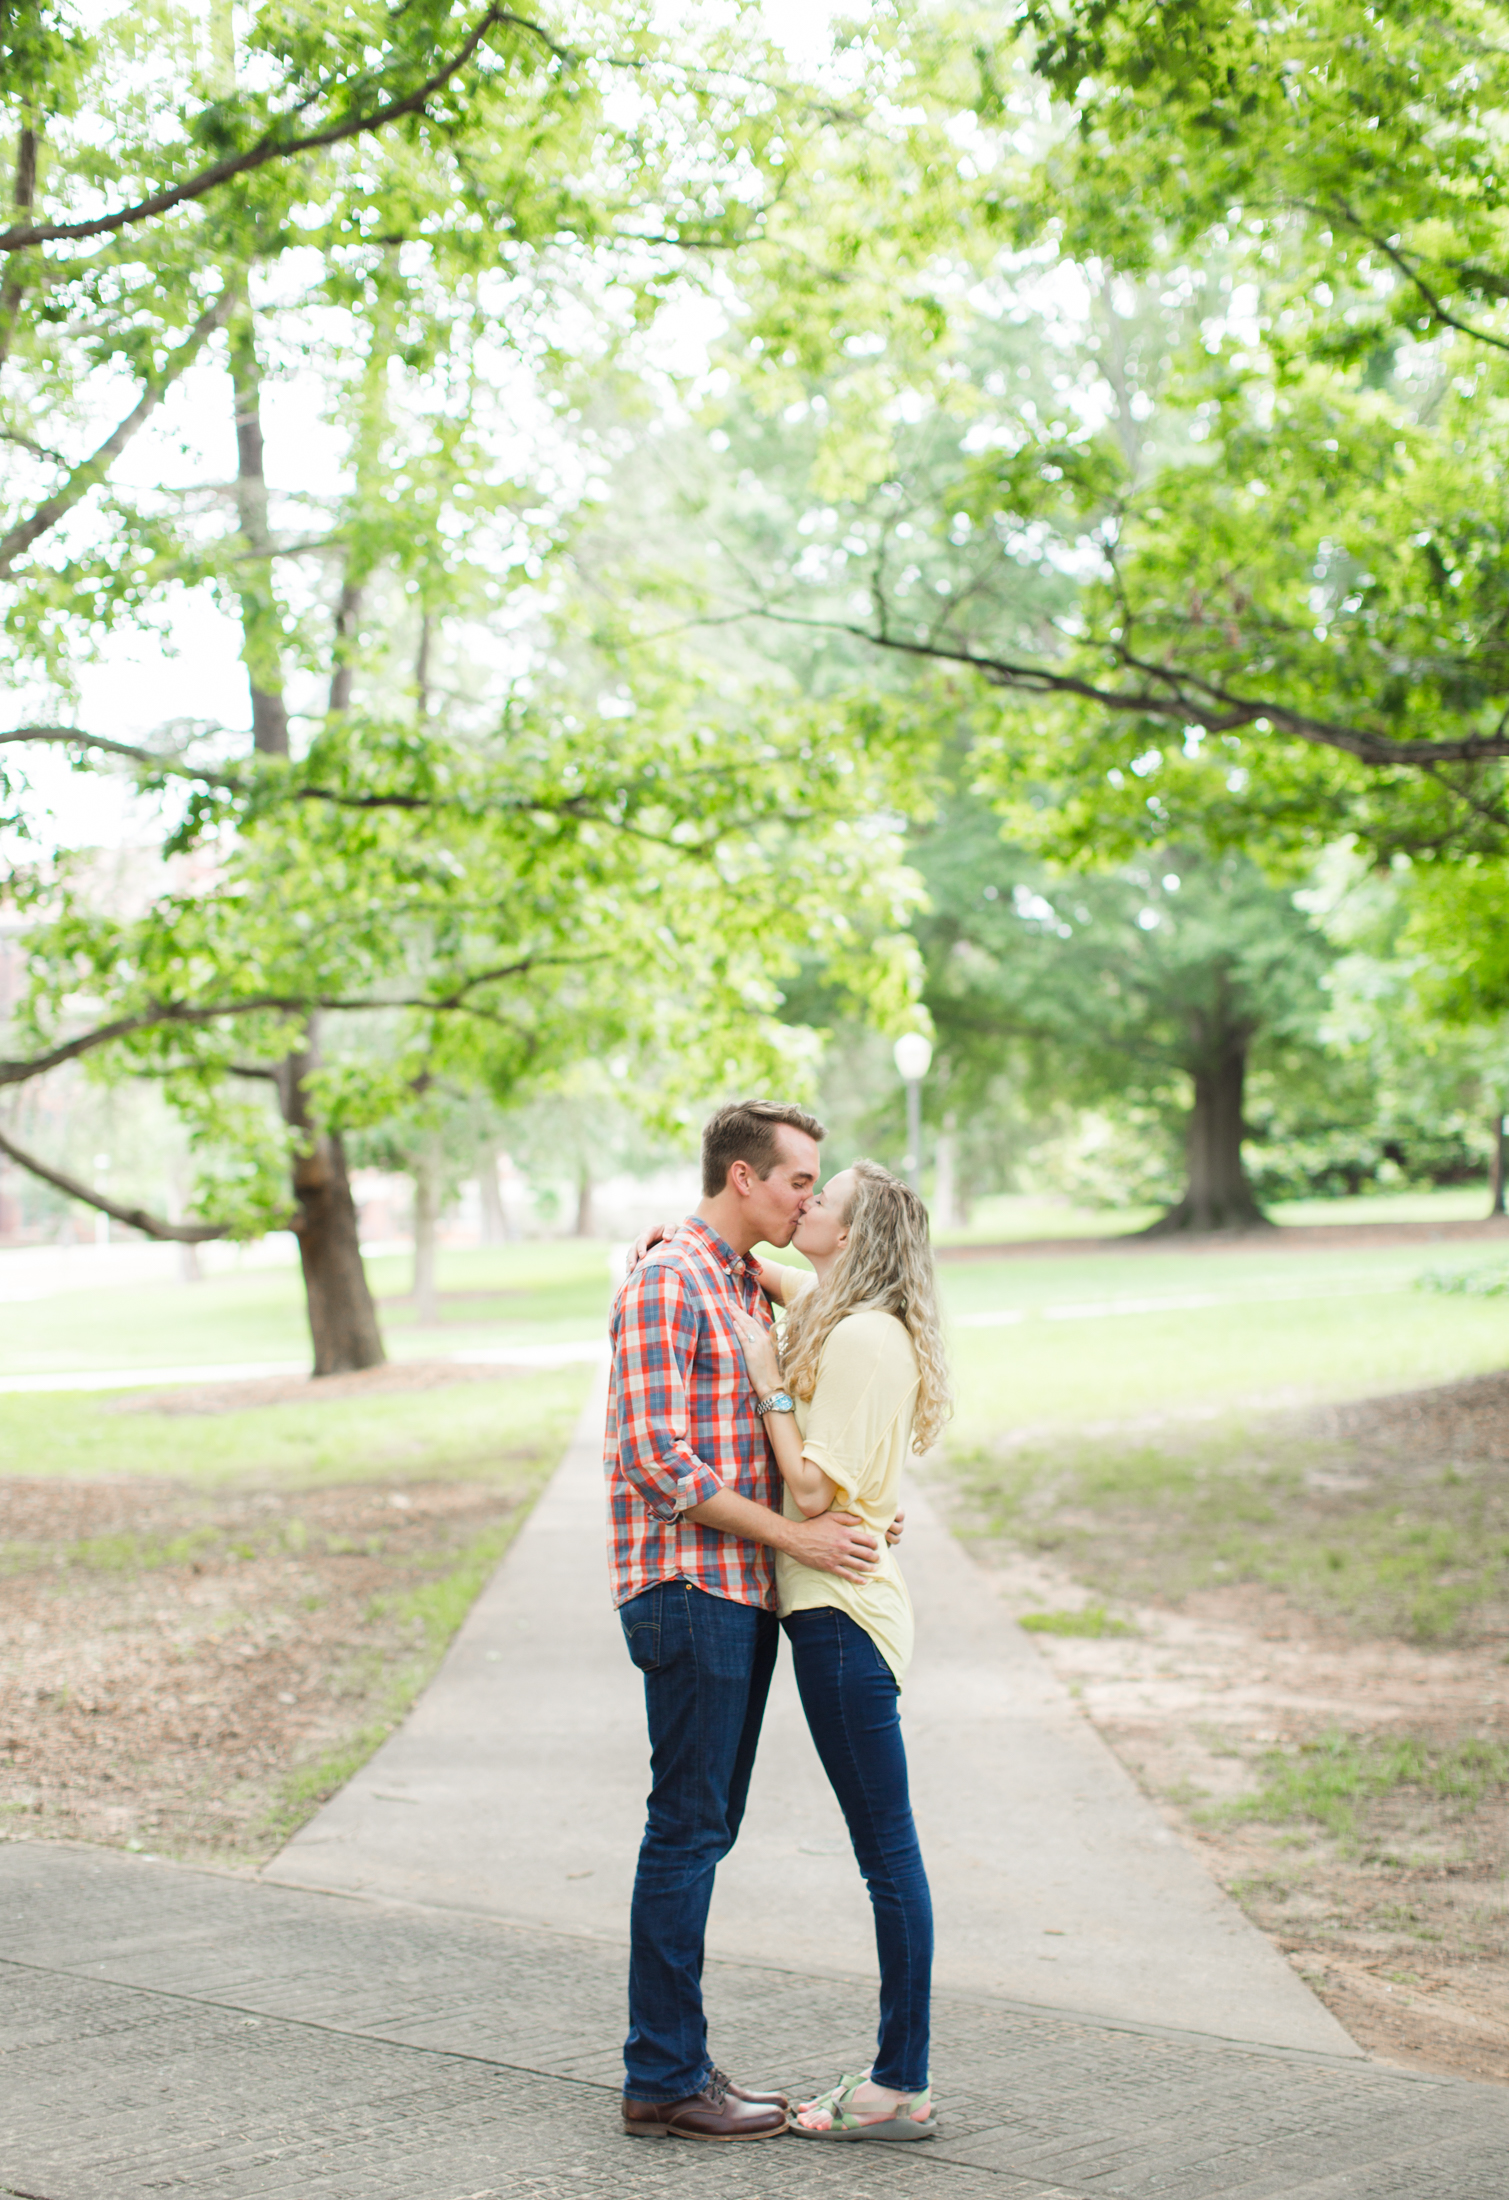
x=779, y=1401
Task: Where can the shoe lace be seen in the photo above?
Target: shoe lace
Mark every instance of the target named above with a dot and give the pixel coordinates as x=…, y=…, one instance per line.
x=717, y=2087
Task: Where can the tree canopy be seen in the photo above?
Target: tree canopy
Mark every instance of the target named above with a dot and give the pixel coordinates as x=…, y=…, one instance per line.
x=462, y=839
x=634, y=472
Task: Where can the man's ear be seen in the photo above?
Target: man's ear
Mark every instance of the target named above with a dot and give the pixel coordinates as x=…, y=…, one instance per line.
x=740, y=1176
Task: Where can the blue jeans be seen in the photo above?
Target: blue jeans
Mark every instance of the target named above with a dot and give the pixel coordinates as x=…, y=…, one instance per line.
x=852, y=1703
x=707, y=1665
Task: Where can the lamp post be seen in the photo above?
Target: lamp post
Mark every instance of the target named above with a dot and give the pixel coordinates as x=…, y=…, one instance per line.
x=914, y=1054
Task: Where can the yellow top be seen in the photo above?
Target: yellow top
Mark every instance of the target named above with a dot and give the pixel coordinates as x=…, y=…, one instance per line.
x=857, y=1427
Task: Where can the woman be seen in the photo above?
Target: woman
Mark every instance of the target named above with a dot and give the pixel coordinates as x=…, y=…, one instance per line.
x=865, y=1383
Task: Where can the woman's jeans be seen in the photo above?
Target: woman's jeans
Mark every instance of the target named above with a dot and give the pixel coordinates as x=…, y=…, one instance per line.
x=852, y=1703
x=707, y=1664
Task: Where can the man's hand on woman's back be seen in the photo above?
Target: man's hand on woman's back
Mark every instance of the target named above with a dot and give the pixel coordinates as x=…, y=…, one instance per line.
x=835, y=1543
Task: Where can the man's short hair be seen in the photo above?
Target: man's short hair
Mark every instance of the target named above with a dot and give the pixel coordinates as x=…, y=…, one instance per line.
x=746, y=1131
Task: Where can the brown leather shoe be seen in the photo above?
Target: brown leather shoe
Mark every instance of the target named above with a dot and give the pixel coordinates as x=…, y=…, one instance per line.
x=742, y=2092
x=716, y=2113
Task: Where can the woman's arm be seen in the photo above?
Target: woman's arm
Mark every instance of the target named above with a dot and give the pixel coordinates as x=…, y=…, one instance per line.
x=771, y=1277
x=807, y=1483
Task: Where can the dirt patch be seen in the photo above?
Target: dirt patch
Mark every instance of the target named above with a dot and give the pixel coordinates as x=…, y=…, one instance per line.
x=193, y=1675
x=1467, y=1420
x=1294, y=1635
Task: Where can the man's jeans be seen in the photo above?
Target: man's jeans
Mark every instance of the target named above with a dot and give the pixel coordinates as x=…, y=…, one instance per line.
x=850, y=1697
x=707, y=1665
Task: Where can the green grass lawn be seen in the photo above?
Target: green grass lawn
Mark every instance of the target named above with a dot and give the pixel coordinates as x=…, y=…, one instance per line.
x=1156, y=1449
x=494, y=1295
x=457, y=1432
x=1083, y=1338
x=1022, y=1217
x=1286, y=1326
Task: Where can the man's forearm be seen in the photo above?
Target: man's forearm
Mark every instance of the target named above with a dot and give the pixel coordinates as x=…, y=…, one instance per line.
x=836, y=1543
x=735, y=1515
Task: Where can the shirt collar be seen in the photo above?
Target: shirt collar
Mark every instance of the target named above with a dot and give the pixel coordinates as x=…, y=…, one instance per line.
x=732, y=1263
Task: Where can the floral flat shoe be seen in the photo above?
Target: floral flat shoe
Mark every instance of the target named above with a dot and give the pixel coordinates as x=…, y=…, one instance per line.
x=835, y=2116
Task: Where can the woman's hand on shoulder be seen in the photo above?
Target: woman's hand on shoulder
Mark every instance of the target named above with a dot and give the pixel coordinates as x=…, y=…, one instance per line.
x=760, y=1356
x=656, y=1233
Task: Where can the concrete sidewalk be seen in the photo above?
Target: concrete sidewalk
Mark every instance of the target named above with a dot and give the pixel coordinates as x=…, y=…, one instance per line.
x=515, y=1791
x=165, y=2031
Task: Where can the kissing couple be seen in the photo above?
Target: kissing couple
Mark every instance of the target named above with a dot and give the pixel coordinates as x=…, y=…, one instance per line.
x=753, y=1485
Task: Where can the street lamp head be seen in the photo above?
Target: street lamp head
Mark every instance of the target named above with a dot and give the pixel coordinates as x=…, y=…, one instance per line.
x=914, y=1054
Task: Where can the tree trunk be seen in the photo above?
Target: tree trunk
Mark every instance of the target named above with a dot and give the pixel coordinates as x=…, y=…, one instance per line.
x=422, y=670
x=342, y=1317
x=23, y=195
x=1497, y=1166
x=261, y=620
x=584, y=1201
x=343, y=657
x=1218, y=1195
x=189, y=1270
x=494, y=1213
x=946, y=1214
x=426, y=1179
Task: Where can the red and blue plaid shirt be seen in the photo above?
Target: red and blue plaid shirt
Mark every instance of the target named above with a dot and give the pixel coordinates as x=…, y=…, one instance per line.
x=682, y=1423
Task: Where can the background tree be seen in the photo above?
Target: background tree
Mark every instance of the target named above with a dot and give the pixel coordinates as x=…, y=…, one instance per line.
x=1203, y=482
x=1155, y=988
x=426, y=270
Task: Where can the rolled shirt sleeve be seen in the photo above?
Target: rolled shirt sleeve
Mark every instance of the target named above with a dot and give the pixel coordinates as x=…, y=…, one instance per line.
x=657, y=1337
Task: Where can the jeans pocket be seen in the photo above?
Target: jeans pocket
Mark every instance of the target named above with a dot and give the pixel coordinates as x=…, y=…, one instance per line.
x=643, y=1639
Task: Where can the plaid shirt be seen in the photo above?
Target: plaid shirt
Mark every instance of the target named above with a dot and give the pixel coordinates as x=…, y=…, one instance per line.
x=682, y=1423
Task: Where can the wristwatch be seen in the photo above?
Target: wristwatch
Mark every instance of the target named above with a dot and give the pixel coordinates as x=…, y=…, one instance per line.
x=779, y=1401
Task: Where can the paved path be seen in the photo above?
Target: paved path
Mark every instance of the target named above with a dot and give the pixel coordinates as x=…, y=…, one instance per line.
x=168, y=2032
x=516, y=1791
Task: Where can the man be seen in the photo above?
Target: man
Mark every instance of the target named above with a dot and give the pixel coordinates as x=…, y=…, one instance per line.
x=694, y=1512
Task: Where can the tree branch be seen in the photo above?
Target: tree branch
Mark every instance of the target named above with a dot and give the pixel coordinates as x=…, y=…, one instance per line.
x=135, y=1218
x=1220, y=710
x=456, y=1001
x=166, y=1012
x=75, y=737
x=271, y=147
x=93, y=470
x=1413, y=276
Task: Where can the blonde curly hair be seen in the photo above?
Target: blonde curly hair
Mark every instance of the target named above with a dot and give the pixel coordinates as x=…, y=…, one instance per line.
x=887, y=1266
